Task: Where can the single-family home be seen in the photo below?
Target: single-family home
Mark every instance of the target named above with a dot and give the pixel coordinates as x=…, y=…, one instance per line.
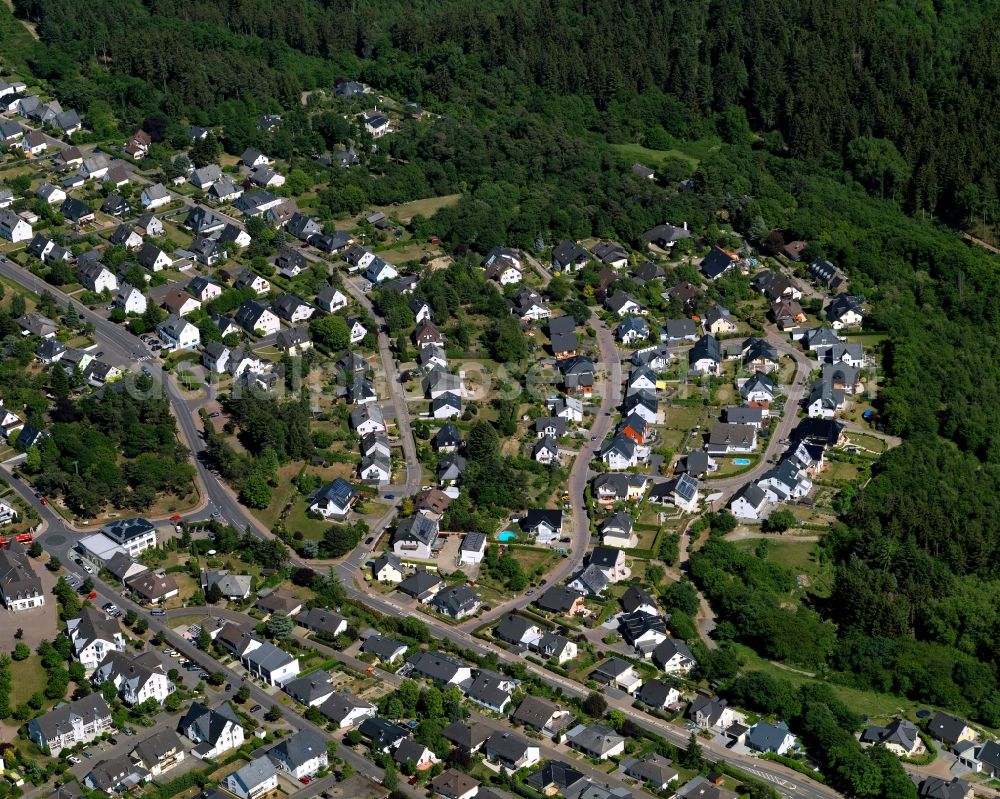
x=674, y=657
x=178, y=334
x=596, y=741
x=705, y=356
x=255, y=779
x=301, y=754
x=415, y=537
x=717, y=263
x=160, y=752
x=346, y=710
x=750, y=502
x=511, y=751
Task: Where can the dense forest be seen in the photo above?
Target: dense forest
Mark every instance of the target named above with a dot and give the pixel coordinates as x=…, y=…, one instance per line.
x=834, y=120
x=918, y=78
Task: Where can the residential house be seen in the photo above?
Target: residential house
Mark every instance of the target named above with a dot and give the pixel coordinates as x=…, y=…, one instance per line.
x=380, y=271
x=202, y=221
x=149, y=225
x=568, y=256
x=617, y=673
x=76, y=211
x=511, y=751
x=231, y=586
x=473, y=549
x=205, y=176
x=178, y=334
x=346, y=710
x=491, y=690
x=136, y=679
x=154, y=196
x=597, y=741
x=456, y=602
x=562, y=334
x=750, y=502
x=555, y=647
x=96, y=277
x=421, y=585
x=376, y=124
x=719, y=322
x=278, y=601
x=950, y=730
x=827, y=275
x=159, y=753
x=642, y=631
x=125, y=236
x=134, y=535
x=666, y=235
x=658, y=694
x=616, y=531
x=454, y=784
x=568, y=408
x=729, y=439
x=301, y=754
x=367, y=418
x=20, y=586
x=900, y=737
x=334, y=500
x=115, y=775
x=557, y=777
x=50, y=194
x=622, y=303
x=845, y=312
x=13, y=227
x=709, y=712
x=116, y=205
x=439, y=668
x=94, y=634
x=653, y=770
x=759, y=355
x=787, y=314
x=255, y=317
x=611, y=254
x=257, y=778
x=766, y=738
x=632, y=330
x=413, y=755
x=674, y=657
x=331, y=299
x=270, y=664
x=206, y=251
x=717, y=263
x=179, y=302
x=619, y=453
x=610, y=487
x=153, y=258
x=529, y=306
x=562, y=601
x=545, y=524
x=70, y=723
x=319, y=620
x=387, y=650
x=705, y=356
x=152, y=588
x=292, y=309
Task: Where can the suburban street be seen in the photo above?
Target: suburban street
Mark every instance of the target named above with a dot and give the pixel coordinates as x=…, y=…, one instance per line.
x=220, y=499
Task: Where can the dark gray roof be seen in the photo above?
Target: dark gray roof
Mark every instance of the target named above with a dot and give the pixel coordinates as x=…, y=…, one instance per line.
x=557, y=599
x=554, y=773
x=157, y=745
x=419, y=583
x=382, y=647
x=298, y=749
x=436, y=666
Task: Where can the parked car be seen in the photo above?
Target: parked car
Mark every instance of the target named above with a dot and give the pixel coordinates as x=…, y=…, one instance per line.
x=255, y=708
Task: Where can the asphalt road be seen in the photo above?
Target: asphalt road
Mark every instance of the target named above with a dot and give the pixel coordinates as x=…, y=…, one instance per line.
x=610, y=361
x=124, y=346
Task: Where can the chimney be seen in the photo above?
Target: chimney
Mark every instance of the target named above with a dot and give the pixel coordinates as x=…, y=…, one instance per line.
x=685, y=225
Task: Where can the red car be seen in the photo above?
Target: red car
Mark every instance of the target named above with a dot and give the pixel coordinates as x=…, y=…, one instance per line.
x=305, y=780
x=43, y=500
x=92, y=595
x=175, y=518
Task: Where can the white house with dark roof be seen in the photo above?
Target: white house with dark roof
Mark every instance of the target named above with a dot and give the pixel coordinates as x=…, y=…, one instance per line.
x=257, y=778
x=301, y=754
x=334, y=500
x=94, y=634
x=177, y=333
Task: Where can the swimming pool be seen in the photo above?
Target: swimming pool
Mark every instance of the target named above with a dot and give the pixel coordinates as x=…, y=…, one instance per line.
x=741, y=461
x=507, y=535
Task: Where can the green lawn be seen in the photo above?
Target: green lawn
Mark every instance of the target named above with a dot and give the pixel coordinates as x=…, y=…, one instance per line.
x=802, y=558
x=27, y=677
x=692, y=152
x=876, y=706
x=684, y=417
x=297, y=521
x=426, y=207
x=873, y=443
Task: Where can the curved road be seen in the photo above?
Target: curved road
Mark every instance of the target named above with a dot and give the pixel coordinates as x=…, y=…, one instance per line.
x=123, y=344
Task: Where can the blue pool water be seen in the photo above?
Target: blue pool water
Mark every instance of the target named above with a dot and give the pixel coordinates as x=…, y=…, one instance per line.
x=507, y=535
x=741, y=461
